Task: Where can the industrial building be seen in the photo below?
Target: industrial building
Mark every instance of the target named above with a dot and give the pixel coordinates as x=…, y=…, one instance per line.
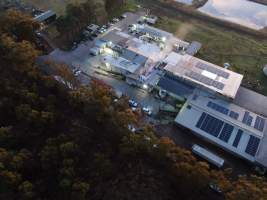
x=202, y=74
x=217, y=108
x=136, y=52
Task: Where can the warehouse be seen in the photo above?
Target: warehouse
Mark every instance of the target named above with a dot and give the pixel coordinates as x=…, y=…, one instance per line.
x=202, y=74
x=227, y=125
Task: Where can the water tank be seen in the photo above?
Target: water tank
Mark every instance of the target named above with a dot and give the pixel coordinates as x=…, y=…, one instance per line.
x=265, y=70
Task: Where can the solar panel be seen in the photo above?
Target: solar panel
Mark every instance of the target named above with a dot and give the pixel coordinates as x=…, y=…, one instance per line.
x=218, y=85
x=237, y=138
x=210, y=124
x=234, y=114
x=212, y=69
x=226, y=132
x=252, y=145
x=247, y=119
x=259, y=123
x=201, y=119
x=218, y=108
x=195, y=97
x=205, y=80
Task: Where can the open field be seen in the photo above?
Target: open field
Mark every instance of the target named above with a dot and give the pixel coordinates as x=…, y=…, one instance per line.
x=246, y=54
x=129, y=6
x=57, y=5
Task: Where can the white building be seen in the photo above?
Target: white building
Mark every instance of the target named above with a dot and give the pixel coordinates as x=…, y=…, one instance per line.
x=227, y=125
x=203, y=74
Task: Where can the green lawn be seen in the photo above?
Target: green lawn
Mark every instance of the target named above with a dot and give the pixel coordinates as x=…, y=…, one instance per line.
x=130, y=6
x=246, y=54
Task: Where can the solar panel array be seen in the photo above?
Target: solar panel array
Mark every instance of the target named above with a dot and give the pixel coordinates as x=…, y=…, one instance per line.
x=215, y=127
x=237, y=138
x=203, y=79
x=247, y=119
x=226, y=132
x=234, y=114
x=223, y=110
x=252, y=145
x=259, y=123
x=218, y=108
x=210, y=124
x=223, y=131
x=212, y=69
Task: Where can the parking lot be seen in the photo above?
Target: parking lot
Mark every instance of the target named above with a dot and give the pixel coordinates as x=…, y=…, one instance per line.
x=81, y=59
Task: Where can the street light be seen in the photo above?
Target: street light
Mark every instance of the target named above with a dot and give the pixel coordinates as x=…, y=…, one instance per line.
x=145, y=86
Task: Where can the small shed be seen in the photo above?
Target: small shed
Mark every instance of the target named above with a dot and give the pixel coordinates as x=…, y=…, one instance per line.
x=193, y=48
x=46, y=17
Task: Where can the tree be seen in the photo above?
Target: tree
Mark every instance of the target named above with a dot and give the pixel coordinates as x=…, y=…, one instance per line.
x=18, y=25
x=248, y=187
x=27, y=190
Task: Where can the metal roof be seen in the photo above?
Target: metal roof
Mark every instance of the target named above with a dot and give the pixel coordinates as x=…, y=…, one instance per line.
x=229, y=136
x=203, y=74
x=193, y=48
x=174, y=86
x=252, y=101
x=44, y=16
x=133, y=57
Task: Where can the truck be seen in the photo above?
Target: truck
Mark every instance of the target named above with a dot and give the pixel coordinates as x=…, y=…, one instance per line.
x=207, y=155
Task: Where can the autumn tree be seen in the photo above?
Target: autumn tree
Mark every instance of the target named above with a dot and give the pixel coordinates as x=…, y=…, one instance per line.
x=18, y=25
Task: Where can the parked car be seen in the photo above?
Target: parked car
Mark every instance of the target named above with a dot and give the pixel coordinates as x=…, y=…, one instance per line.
x=133, y=109
x=91, y=38
x=77, y=72
x=147, y=111
x=115, y=20
x=215, y=188
x=102, y=30
x=94, y=35
x=110, y=24
x=123, y=16
x=132, y=103
x=105, y=26
x=131, y=128
x=74, y=46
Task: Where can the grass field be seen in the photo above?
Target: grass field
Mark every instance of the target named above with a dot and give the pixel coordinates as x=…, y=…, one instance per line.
x=57, y=5
x=246, y=54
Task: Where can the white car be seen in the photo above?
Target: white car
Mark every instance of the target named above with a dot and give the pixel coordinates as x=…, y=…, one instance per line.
x=102, y=30
x=131, y=128
x=134, y=108
x=115, y=20
x=132, y=103
x=147, y=111
x=77, y=73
